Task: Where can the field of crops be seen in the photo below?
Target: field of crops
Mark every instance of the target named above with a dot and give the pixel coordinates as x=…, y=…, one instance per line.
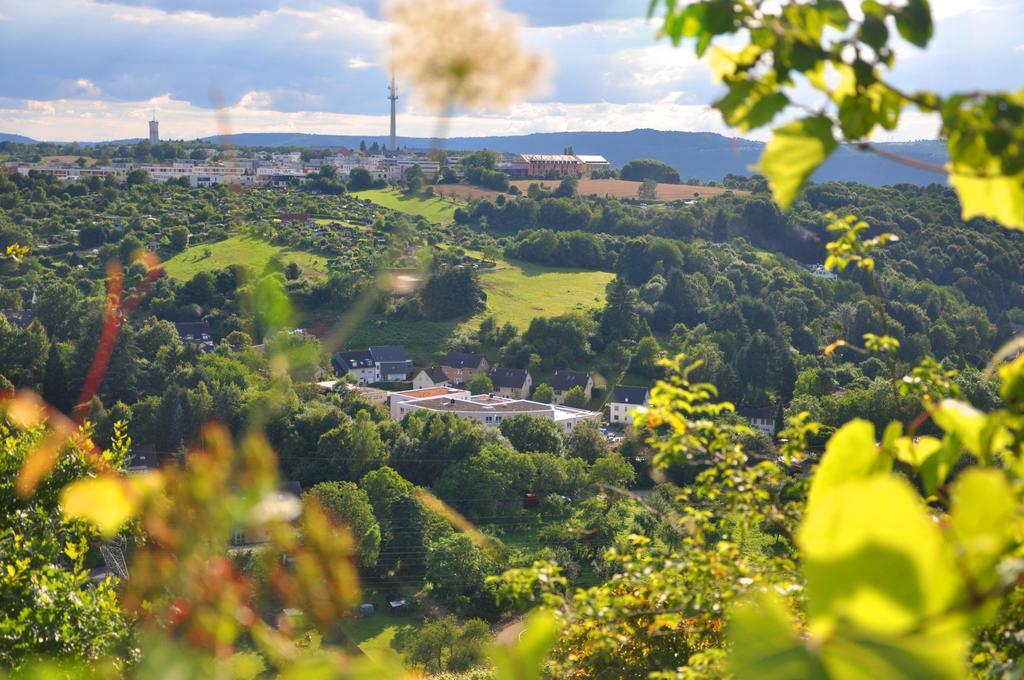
x=620, y=188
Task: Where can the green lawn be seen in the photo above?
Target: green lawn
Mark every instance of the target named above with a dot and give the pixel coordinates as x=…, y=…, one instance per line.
x=247, y=250
x=382, y=633
x=518, y=292
x=437, y=210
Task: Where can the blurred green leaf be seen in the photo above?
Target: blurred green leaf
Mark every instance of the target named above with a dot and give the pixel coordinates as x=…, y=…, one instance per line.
x=524, y=659
x=983, y=521
x=850, y=455
x=764, y=644
x=875, y=559
x=914, y=22
x=794, y=152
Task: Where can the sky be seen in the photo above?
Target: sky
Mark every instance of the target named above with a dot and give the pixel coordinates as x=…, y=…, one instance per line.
x=91, y=70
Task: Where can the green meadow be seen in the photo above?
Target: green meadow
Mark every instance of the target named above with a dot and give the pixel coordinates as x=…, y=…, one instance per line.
x=247, y=250
x=437, y=210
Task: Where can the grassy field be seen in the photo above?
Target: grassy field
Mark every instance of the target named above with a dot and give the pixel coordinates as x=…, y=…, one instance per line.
x=422, y=339
x=436, y=210
x=382, y=633
x=518, y=292
x=247, y=250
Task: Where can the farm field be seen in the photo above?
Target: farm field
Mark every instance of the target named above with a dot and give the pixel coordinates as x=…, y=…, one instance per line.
x=248, y=250
x=436, y=210
x=620, y=188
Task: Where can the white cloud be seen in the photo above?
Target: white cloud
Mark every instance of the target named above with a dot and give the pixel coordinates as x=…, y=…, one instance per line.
x=43, y=107
x=83, y=87
x=255, y=100
x=1019, y=48
x=358, y=62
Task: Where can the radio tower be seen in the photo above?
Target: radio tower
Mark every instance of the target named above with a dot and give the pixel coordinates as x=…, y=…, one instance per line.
x=154, y=130
x=393, y=96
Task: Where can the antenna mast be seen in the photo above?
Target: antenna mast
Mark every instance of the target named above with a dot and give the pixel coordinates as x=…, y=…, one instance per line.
x=393, y=96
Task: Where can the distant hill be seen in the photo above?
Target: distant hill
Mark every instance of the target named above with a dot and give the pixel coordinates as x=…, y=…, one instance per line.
x=704, y=155
x=17, y=139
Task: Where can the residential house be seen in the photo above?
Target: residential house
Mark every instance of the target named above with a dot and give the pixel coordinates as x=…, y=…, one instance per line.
x=563, y=381
x=358, y=363
x=625, y=400
x=196, y=333
x=762, y=419
x=142, y=457
x=461, y=366
x=430, y=377
x=391, y=363
x=511, y=382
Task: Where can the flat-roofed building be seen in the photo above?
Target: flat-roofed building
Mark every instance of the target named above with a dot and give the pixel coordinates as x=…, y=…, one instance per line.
x=491, y=410
x=398, y=398
x=592, y=163
x=540, y=165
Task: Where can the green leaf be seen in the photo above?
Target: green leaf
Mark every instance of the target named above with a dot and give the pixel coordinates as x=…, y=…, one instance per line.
x=932, y=655
x=982, y=435
x=875, y=560
x=750, y=104
x=914, y=22
x=873, y=31
x=796, y=149
x=997, y=197
x=273, y=307
x=982, y=520
x=764, y=645
x=936, y=467
x=850, y=455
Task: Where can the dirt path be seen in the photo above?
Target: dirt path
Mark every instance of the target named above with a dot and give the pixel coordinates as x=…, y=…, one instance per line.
x=508, y=634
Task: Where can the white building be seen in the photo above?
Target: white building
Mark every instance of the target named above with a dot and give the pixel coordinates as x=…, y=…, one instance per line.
x=625, y=400
x=593, y=163
x=399, y=399
x=488, y=409
x=762, y=419
x=358, y=363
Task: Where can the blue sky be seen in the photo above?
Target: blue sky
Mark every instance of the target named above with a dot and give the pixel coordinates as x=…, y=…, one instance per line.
x=92, y=69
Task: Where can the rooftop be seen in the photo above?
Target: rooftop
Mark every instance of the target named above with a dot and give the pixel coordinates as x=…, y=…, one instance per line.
x=564, y=381
x=625, y=394
x=486, y=405
x=354, y=359
x=509, y=377
x=548, y=157
x=426, y=392
x=462, y=360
